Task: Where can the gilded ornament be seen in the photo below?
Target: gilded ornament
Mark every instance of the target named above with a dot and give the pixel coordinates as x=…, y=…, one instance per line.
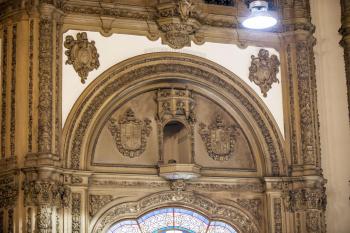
x=130, y=134
x=82, y=54
x=263, y=70
x=219, y=139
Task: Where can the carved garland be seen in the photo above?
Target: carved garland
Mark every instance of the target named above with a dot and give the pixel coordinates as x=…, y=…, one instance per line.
x=230, y=214
x=135, y=74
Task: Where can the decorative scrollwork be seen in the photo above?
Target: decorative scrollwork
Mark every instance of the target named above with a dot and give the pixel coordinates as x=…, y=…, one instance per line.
x=130, y=134
x=263, y=70
x=219, y=139
x=82, y=54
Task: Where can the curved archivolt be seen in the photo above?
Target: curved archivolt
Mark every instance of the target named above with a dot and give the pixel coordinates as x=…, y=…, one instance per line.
x=171, y=220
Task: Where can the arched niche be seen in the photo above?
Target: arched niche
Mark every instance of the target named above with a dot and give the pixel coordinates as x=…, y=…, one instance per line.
x=177, y=143
x=233, y=215
x=150, y=72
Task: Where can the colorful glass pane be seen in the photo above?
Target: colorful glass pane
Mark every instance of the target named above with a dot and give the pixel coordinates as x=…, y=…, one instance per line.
x=171, y=220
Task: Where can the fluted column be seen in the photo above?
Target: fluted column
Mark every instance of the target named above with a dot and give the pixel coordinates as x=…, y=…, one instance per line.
x=345, y=42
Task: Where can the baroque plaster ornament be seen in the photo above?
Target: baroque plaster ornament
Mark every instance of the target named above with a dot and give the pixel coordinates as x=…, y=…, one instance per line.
x=178, y=23
x=130, y=134
x=82, y=54
x=263, y=70
x=219, y=139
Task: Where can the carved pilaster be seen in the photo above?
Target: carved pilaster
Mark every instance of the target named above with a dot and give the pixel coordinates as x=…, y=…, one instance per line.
x=76, y=213
x=44, y=219
x=49, y=35
x=345, y=42
x=300, y=70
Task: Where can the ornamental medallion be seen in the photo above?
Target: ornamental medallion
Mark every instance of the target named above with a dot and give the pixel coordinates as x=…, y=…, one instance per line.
x=82, y=54
x=130, y=134
x=219, y=139
x=263, y=70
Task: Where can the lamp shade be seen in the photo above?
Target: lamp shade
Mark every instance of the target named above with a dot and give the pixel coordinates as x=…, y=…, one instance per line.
x=259, y=17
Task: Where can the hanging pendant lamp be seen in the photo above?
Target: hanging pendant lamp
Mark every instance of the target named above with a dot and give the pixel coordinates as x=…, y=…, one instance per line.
x=260, y=17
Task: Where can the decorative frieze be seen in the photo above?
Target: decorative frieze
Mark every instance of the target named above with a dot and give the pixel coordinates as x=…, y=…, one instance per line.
x=263, y=70
x=96, y=202
x=220, y=139
x=304, y=199
x=130, y=134
x=254, y=206
x=76, y=212
x=82, y=54
x=46, y=193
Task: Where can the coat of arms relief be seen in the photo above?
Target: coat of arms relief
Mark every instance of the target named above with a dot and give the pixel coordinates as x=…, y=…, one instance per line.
x=219, y=139
x=263, y=70
x=82, y=54
x=130, y=134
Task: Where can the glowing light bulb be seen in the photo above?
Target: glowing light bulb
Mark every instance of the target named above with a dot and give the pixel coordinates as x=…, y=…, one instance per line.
x=259, y=17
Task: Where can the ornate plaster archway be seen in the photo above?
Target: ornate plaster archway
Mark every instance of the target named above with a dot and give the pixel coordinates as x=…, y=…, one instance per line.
x=233, y=214
x=124, y=77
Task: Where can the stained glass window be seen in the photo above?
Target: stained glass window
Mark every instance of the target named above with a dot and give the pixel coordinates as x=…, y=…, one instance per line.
x=171, y=220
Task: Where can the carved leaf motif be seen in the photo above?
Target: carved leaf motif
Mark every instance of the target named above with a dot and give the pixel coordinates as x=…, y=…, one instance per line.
x=82, y=54
x=130, y=134
x=219, y=139
x=263, y=70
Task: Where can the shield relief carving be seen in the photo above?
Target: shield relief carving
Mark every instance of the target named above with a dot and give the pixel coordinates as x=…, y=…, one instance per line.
x=219, y=139
x=130, y=134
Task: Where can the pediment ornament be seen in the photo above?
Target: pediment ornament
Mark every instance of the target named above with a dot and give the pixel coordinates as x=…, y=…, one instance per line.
x=130, y=134
x=82, y=54
x=263, y=70
x=219, y=139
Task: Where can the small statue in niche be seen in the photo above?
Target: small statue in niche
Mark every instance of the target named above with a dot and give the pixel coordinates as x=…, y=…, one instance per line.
x=130, y=134
x=263, y=70
x=82, y=54
x=219, y=139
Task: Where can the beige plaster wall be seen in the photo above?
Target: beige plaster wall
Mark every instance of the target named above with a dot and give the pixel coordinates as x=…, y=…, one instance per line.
x=332, y=101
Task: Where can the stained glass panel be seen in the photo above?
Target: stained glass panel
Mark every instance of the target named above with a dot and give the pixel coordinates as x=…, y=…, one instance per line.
x=171, y=220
